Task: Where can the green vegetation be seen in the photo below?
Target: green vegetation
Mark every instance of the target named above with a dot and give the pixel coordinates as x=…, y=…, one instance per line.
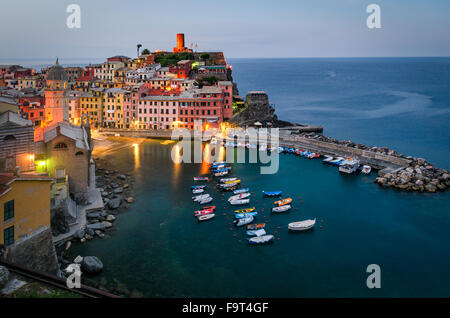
x=204, y=56
x=145, y=51
x=172, y=59
x=208, y=80
x=238, y=107
x=36, y=290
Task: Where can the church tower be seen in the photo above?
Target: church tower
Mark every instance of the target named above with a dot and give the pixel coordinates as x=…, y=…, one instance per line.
x=56, y=104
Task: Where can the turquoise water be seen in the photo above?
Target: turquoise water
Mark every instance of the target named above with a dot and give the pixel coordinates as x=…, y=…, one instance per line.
x=159, y=249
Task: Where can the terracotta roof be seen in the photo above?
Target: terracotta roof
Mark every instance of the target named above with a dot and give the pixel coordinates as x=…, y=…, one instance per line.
x=6, y=178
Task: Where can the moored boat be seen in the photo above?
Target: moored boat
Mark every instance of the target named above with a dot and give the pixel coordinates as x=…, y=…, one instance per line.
x=220, y=174
x=212, y=207
x=260, y=239
x=203, y=212
x=327, y=159
x=302, y=225
x=201, y=197
x=366, y=169
x=259, y=232
x=244, y=215
x=283, y=202
x=272, y=193
x=204, y=201
x=243, y=221
x=247, y=210
x=239, y=196
x=205, y=217
x=282, y=208
x=224, y=180
x=200, y=178
x=202, y=186
x=242, y=190
x=195, y=191
x=256, y=226
x=240, y=202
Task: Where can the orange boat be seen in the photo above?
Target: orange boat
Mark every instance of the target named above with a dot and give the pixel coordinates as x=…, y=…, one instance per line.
x=256, y=226
x=212, y=207
x=283, y=202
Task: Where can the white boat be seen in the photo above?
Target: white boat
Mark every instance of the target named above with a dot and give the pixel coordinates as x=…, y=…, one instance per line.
x=195, y=191
x=302, y=225
x=366, y=169
x=200, y=197
x=260, y=239
x=244, y=221
x=282, y=208
x=327, y=159
x=240, y=202
x=205, y=217
x=239, y=196
x=259, y=232
x=337, y=161
x=223, y=180
x=221, y=174
x=349, y=166
x=204, y=201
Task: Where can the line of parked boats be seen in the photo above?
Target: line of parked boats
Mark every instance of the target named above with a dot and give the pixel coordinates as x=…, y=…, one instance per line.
x=256, y=232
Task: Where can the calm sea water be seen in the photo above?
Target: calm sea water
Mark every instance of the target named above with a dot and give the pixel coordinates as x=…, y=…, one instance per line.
x=160, y=250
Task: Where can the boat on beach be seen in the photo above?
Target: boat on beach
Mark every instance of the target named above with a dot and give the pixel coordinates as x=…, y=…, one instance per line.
x=247, y=210
x=283, y=202
x=201, y=179
x=272, y=193
x=242, y=190
x=243, y=221
x=239, y=196
x=259, y=232
x=280, y=209
x=240, y=202
x=260, y=239
x=256, y=226
x=302, y=225
x=205, y=217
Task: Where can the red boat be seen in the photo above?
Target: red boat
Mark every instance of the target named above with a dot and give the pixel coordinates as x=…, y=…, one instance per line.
x=203, y=212
x=212, y=207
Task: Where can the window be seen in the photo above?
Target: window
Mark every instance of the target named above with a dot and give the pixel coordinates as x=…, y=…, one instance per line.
x=60, y=145
x=9, y=210
x=8, y=236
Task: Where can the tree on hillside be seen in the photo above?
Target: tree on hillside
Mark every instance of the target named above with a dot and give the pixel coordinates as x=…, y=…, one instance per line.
x=204, y=56
x=145, y=51
x=138, y=48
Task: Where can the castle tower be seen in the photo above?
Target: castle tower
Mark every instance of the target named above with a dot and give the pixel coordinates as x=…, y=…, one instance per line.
x=56, y=104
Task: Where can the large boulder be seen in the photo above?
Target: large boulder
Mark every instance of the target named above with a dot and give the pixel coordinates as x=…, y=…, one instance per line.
x=114, y=203
x=91, y=265
x=4, y=276
x=79, y=234
x=96, y=226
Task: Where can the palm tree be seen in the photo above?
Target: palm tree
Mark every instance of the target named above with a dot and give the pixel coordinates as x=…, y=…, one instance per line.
x=138, y=47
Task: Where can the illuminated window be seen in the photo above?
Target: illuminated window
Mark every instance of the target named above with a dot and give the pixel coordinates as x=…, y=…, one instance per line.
x=60, y=145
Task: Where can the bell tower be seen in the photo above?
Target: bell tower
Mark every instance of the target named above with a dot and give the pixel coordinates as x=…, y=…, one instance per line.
x=56, y=104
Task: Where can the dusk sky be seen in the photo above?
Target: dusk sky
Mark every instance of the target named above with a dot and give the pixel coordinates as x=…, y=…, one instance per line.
x=243, y=28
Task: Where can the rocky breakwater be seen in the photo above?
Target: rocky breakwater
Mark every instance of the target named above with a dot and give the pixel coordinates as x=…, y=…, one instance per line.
x=419, y=176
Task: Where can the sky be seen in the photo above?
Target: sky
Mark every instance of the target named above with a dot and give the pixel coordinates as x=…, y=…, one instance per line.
x=239, y=28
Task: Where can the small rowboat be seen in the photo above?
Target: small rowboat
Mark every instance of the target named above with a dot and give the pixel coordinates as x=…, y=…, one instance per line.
x=256, y=226
x=247, y=210
x=283, y=202
x=282, y=208
x=244, y=215
x=218, y=163
x=260, y=239
x=233, y=181
x=239, y=196
x=232, y=188
x=205, y=217
x=204, y=201
x=302, y=225
x=200, y=178
x=242, y=190
x=243, y=221
x=212, y=207
x=222, y=169
x=228, y=185
x=203, y=212
x=200, y=197
x=224, y=180
x=196, y=191
x=272, y=193
x=200, y=186
x=366, y=169
x=220, y=174
x=218, y=166
x=240, y=202
x=259, y=232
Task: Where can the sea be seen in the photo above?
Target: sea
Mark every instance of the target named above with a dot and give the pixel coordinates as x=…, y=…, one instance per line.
x=158, y=249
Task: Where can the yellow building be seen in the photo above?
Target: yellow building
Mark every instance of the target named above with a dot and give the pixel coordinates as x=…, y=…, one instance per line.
x=24, y=206
x=113, y=99
x=91, y=104
x=27, y=82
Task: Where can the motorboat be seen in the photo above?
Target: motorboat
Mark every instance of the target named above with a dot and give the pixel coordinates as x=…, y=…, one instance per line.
x=224, y=180
x=198, y=186
x=220, y=166
x=283, y=202
x=228, y=186
x=302, y=225
x=232, y=181
x=201, y=197
x=242, y=190
x=327, y=159
x=239, y=196
x=243, y=221
x=195, y=191
x=200, y=178
x=240, y=202
x=256, y=226
x=244, y=215
x=212, y=207
x=221, y=174
x=280, y=209
x=260, y=239
x=337, y=161
x=204, y=201
x=272, y=193
x=203, y=212
x=366, y=169
x=350, y=166
x=259, y=232
x=205, y=217
x=246, y=210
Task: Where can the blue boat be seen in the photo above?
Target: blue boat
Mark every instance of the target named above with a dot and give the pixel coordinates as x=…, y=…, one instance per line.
x=272, y=193
x=222, y=170
x=202, y=186
x=245, y=215
x=242, y=190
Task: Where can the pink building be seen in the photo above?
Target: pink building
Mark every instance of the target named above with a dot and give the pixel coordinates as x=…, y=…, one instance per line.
x=158, y=112
x=131, y=102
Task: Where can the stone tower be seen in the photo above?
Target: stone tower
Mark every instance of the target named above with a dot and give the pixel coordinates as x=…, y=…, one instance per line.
x=56, y=104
